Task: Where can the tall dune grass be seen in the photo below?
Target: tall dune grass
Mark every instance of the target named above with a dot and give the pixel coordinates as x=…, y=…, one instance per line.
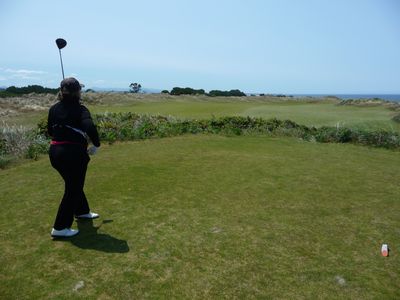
x=17, y=142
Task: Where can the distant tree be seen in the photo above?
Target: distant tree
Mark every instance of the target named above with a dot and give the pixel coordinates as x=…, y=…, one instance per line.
x=164, y=92
x=38, y=89
x=186, y=91
x=231, y=93
x=135, y=87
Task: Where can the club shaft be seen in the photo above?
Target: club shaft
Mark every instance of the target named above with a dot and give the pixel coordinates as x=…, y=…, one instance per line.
x=62, y=67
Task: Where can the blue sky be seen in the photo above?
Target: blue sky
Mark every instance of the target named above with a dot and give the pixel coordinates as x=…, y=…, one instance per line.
x=281, y=46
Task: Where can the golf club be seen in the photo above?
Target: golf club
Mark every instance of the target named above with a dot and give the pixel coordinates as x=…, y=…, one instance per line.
x=61, y=43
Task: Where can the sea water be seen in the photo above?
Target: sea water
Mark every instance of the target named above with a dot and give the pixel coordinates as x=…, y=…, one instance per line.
x=388, y=97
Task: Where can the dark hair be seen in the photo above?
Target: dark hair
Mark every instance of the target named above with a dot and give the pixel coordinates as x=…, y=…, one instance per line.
x=70, y=85
x=69, y=98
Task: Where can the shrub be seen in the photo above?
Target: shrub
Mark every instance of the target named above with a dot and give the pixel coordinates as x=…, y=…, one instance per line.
x=18, y=142
x=334, y=135
x=38, y=146
x=396, y=118
x=129, y=126
x=5, y=160
x=231, y=93
x=42, y=127
x=380, y=138
x=15, y=140
x=186, y=91
x=16, y=91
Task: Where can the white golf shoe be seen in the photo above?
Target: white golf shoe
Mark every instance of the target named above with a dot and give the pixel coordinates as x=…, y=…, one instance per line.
x=66, y=232
x=90, y=215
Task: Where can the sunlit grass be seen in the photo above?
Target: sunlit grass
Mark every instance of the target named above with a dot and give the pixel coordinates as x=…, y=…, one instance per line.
x=322, y=113
x=209, y=217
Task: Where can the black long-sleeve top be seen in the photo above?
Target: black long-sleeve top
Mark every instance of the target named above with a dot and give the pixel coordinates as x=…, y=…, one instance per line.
x=64, y=115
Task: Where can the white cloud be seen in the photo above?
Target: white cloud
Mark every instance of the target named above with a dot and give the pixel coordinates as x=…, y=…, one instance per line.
x=99, y=81
x=25, y=77
x=18, y=74
x=23, y=71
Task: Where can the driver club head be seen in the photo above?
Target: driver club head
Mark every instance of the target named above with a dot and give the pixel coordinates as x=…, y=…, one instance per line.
x=61, y=43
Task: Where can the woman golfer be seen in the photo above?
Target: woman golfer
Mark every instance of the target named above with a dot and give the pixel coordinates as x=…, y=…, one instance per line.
x=69, y=125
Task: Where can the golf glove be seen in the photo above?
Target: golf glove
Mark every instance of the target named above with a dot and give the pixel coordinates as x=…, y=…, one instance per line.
x=92, y=150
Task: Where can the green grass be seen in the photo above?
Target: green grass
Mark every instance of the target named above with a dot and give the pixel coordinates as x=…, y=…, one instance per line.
x=209, y=217
x=305, y=113
x=310, y=113
x=26, y=119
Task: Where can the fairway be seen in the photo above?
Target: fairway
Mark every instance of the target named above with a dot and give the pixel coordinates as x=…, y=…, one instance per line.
x=304, y=112
x=310, y=113
x=204, y=216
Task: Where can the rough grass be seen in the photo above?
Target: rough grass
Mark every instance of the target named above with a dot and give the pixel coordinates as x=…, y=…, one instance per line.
x=209, y=217
x=311, y=114
x=305, y=111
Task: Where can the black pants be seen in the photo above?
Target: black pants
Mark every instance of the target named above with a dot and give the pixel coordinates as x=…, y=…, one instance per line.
x=71, y=162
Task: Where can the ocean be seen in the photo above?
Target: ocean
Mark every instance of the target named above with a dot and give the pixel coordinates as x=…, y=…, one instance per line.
x=388, y=97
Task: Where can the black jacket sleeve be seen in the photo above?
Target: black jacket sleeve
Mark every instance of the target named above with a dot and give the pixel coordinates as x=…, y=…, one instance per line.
x=89, y=127
x=50, y=123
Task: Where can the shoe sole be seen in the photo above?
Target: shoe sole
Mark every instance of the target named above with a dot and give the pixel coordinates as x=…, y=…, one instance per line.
x=63, y=236
x=86, y=218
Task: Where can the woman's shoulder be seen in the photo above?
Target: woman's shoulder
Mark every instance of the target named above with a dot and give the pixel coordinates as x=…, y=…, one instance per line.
x=84, y=112
x=55, y=105
x=83, y=107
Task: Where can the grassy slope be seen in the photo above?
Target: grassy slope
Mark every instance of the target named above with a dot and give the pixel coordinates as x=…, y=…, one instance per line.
x=26, y=119
x=209, y=216
x=313, y=114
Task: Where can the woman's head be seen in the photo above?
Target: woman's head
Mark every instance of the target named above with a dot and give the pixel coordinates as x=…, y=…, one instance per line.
x=70, y=90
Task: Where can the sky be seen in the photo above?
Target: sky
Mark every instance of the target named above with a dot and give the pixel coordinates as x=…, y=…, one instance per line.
x=257, y=46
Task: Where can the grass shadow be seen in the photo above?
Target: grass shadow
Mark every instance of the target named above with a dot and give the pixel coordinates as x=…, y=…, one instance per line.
x=89, y=238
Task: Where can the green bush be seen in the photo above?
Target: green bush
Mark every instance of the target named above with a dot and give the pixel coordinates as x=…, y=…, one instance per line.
x=186, y=91
x=335, y=135
x=42, y=127
x=396, y=118
x=38, y=146
x=231, y=93
x=384, y=139
x=14, y=140
x=5, y=160
x=129, y=126
x=13, y=91
x=18, y=142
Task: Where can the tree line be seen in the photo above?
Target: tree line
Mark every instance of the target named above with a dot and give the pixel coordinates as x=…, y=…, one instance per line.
x=17, y=91
x=13, y=91
x=213, y=93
